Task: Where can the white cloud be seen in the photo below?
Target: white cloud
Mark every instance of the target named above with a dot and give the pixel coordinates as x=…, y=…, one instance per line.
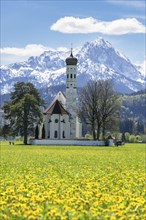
x=13, y=54
x=28, y=50
x=63, y=49
x=90, y=25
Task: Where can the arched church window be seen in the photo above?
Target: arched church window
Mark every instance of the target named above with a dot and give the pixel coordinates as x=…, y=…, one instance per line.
x=75, y=76
x=67, y=76
x=71, y=75
x=56, y=120
x=63, y=134
x=55, y=134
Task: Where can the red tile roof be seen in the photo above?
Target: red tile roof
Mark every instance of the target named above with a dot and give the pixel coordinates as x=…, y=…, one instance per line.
x=56, y=108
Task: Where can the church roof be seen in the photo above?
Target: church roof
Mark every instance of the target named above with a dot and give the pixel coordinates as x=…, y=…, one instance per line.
x=60, y=97
x=56, y=108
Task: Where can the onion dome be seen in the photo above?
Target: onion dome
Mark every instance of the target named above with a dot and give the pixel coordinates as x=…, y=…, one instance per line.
x=71, y=60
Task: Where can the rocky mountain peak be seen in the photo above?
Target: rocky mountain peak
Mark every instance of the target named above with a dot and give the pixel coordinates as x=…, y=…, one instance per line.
x=97, y=59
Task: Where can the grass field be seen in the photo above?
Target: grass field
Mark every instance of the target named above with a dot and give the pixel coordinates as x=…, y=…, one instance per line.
x=56, y=182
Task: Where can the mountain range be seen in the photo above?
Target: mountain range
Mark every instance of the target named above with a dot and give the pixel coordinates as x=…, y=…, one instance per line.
x=97, y=60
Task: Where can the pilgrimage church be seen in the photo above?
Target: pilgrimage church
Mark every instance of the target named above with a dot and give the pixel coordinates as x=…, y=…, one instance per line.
x=60, y=118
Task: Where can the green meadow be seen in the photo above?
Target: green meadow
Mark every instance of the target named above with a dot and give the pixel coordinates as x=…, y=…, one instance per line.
x=71, y=182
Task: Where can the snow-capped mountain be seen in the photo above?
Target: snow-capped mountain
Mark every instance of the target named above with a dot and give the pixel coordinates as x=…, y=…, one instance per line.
x=96, y=60
x=142, y=68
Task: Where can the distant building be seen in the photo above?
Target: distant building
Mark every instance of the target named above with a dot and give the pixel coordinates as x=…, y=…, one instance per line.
x=60, y=118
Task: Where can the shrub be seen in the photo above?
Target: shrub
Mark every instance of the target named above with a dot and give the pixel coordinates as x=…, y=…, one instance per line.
x=132, y=138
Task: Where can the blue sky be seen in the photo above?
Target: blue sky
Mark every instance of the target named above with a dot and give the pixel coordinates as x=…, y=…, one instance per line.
x=29, y=27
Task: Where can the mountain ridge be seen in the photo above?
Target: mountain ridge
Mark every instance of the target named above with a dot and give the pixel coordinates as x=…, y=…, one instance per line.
x=97, y=60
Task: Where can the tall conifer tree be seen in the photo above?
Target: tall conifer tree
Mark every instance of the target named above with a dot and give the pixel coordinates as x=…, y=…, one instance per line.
x=23, y=109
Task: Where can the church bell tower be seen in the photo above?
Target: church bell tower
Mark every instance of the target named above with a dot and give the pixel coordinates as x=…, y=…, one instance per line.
x=71, y=93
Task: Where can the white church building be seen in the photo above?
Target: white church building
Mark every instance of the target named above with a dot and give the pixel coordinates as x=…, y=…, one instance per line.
x=60, y=118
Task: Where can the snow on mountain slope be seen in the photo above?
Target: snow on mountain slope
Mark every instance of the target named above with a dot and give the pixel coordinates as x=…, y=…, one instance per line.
x=96, y=60
x=142, y=68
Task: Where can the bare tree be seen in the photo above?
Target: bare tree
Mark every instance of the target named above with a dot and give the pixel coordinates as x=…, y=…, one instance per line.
x=88, y=106
x=99, y=106
x=110, y=105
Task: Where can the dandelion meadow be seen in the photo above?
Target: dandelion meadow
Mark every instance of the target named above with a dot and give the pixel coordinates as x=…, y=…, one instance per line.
x=66, y=182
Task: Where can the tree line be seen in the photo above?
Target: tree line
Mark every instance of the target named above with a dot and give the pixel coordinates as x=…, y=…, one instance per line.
x=100, y=109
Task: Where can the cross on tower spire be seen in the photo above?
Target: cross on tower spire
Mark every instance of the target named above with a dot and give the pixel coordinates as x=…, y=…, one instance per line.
x=71, y=54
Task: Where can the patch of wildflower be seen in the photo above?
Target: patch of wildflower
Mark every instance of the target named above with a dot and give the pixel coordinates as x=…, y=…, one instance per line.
x=72, y=183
